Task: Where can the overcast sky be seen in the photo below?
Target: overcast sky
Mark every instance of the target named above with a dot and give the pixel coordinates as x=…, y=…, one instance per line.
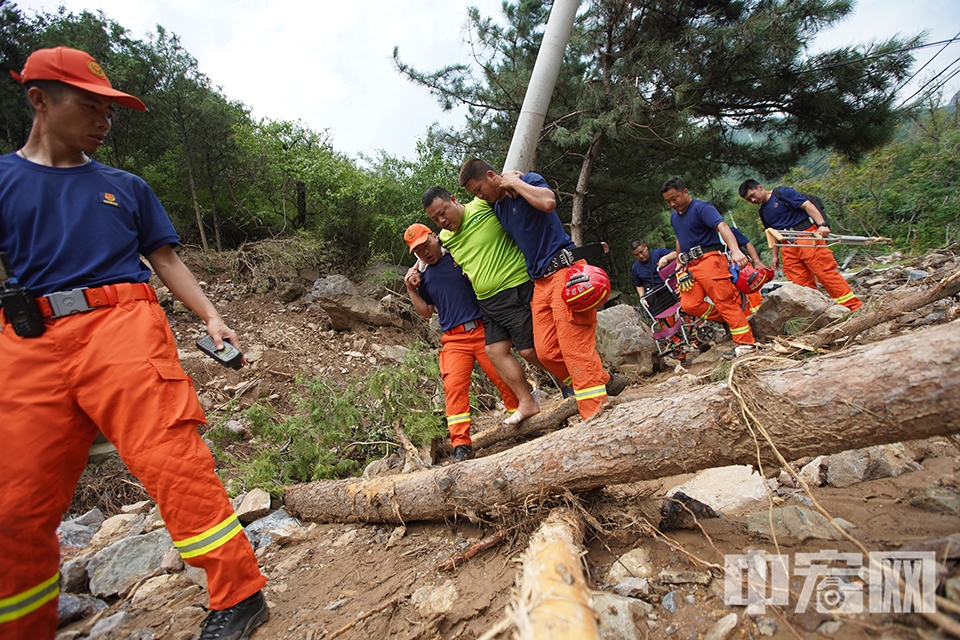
x=329, y=63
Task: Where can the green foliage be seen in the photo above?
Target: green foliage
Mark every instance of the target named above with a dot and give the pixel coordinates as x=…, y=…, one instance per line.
x=341, y=425
x=906, y=190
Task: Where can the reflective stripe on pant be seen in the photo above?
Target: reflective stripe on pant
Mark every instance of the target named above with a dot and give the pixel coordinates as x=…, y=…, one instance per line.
x=802, y=263
x=115, y=369
x=458, y=352
x=755, y=300
x=711, y=277
x=566, y=342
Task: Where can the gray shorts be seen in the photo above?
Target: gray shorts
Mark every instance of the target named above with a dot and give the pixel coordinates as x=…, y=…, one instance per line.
x=507, y=316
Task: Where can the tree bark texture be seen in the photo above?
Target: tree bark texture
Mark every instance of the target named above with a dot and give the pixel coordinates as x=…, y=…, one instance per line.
x=583, y=183
x=893, y=307
x=552, y=601
x=903, y=388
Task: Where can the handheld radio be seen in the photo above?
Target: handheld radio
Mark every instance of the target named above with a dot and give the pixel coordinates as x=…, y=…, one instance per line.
x=19, y=305
x=229, y=356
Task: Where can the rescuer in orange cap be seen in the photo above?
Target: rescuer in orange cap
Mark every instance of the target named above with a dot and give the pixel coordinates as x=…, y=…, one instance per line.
x=90, y=349
x=436, y=283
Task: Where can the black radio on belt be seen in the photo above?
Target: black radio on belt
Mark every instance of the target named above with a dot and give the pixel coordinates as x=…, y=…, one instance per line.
x=19, y=305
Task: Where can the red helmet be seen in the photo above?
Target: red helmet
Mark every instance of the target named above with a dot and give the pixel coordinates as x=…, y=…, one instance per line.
x=587, y=287
x=751, y=279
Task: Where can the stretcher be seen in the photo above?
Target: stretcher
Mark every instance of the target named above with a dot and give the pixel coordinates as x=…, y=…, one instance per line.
x=789, y=238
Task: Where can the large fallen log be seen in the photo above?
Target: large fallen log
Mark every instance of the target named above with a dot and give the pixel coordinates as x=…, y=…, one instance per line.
x=552, y=601
x=902, y=388
x=891, y=307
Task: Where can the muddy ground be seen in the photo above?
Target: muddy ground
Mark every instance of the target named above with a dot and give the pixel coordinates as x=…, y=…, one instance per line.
x=379, y=573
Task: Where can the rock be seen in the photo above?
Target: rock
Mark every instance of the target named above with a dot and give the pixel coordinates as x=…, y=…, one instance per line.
x=172, y=561
x=396, y=353
x=793, y=301
x=288, y=534
x=786, y=480
x=432, y=601
x=110, y=624
x=153, y=521
x=93, y=518
x=680, y=511
x=882, y=461
x=72, y=607
x=75, y=535
x=155, y=592
x=796, y=522
x=348, y=538
x=255, y=505
x=633, y=564
x=619, y=617
x=289, y=291
x=259, y=532
x=143, y=506
x=632, y=587
x=73, y=574
x=347, y=307
x=938, y=499
x=725, y=488
x=124, y=563
x=722, y=629
x=812, y=472
x=235, y=427
x=669, y=602
x=766, y=626
x=195, y=575
x=915, y=275
x=623, y=340
x=336, y=605
x=830, y=627
x=671, y=576
x=113, y=526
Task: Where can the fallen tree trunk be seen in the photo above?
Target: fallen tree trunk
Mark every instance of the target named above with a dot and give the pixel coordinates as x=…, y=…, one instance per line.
x=892, y=307
x=902, y=388
x=545, y=421
x=552, y=601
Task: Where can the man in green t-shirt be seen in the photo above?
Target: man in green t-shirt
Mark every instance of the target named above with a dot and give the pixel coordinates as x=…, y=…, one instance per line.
x=496, y=269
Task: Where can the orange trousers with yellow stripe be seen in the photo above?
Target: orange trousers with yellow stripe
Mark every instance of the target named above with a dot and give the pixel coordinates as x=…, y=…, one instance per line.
x=565, y=342
x=810, y=259
x=458, y=352
x=711, y=277
x=113, y=369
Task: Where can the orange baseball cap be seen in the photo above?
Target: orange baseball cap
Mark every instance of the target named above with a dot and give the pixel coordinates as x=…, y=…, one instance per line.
x=76, y=68
x=416, y=234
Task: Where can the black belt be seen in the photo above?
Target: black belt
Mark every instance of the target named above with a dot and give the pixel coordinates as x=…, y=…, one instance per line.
x=567, y=257
x=698, y=252
x=803, y=226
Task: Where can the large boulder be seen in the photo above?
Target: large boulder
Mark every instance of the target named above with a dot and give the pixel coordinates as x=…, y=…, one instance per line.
x=793, y=301
x=347, y=307
x=624, y=342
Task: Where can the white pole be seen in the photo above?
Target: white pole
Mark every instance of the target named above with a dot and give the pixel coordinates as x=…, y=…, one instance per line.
x=523, y=147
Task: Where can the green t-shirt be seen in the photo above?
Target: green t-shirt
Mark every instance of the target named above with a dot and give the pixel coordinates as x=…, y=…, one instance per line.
x=487, y=255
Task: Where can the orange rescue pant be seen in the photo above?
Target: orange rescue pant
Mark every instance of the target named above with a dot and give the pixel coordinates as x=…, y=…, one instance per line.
x=458, y=351
x=810, y=259
x=711, y=277
x=114, y=369
x=565, y=342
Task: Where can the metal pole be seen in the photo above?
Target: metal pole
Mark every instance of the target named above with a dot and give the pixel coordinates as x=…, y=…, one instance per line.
x=523, y=147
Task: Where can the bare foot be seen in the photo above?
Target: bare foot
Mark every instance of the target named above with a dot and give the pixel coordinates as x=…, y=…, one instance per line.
x=524, y=411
